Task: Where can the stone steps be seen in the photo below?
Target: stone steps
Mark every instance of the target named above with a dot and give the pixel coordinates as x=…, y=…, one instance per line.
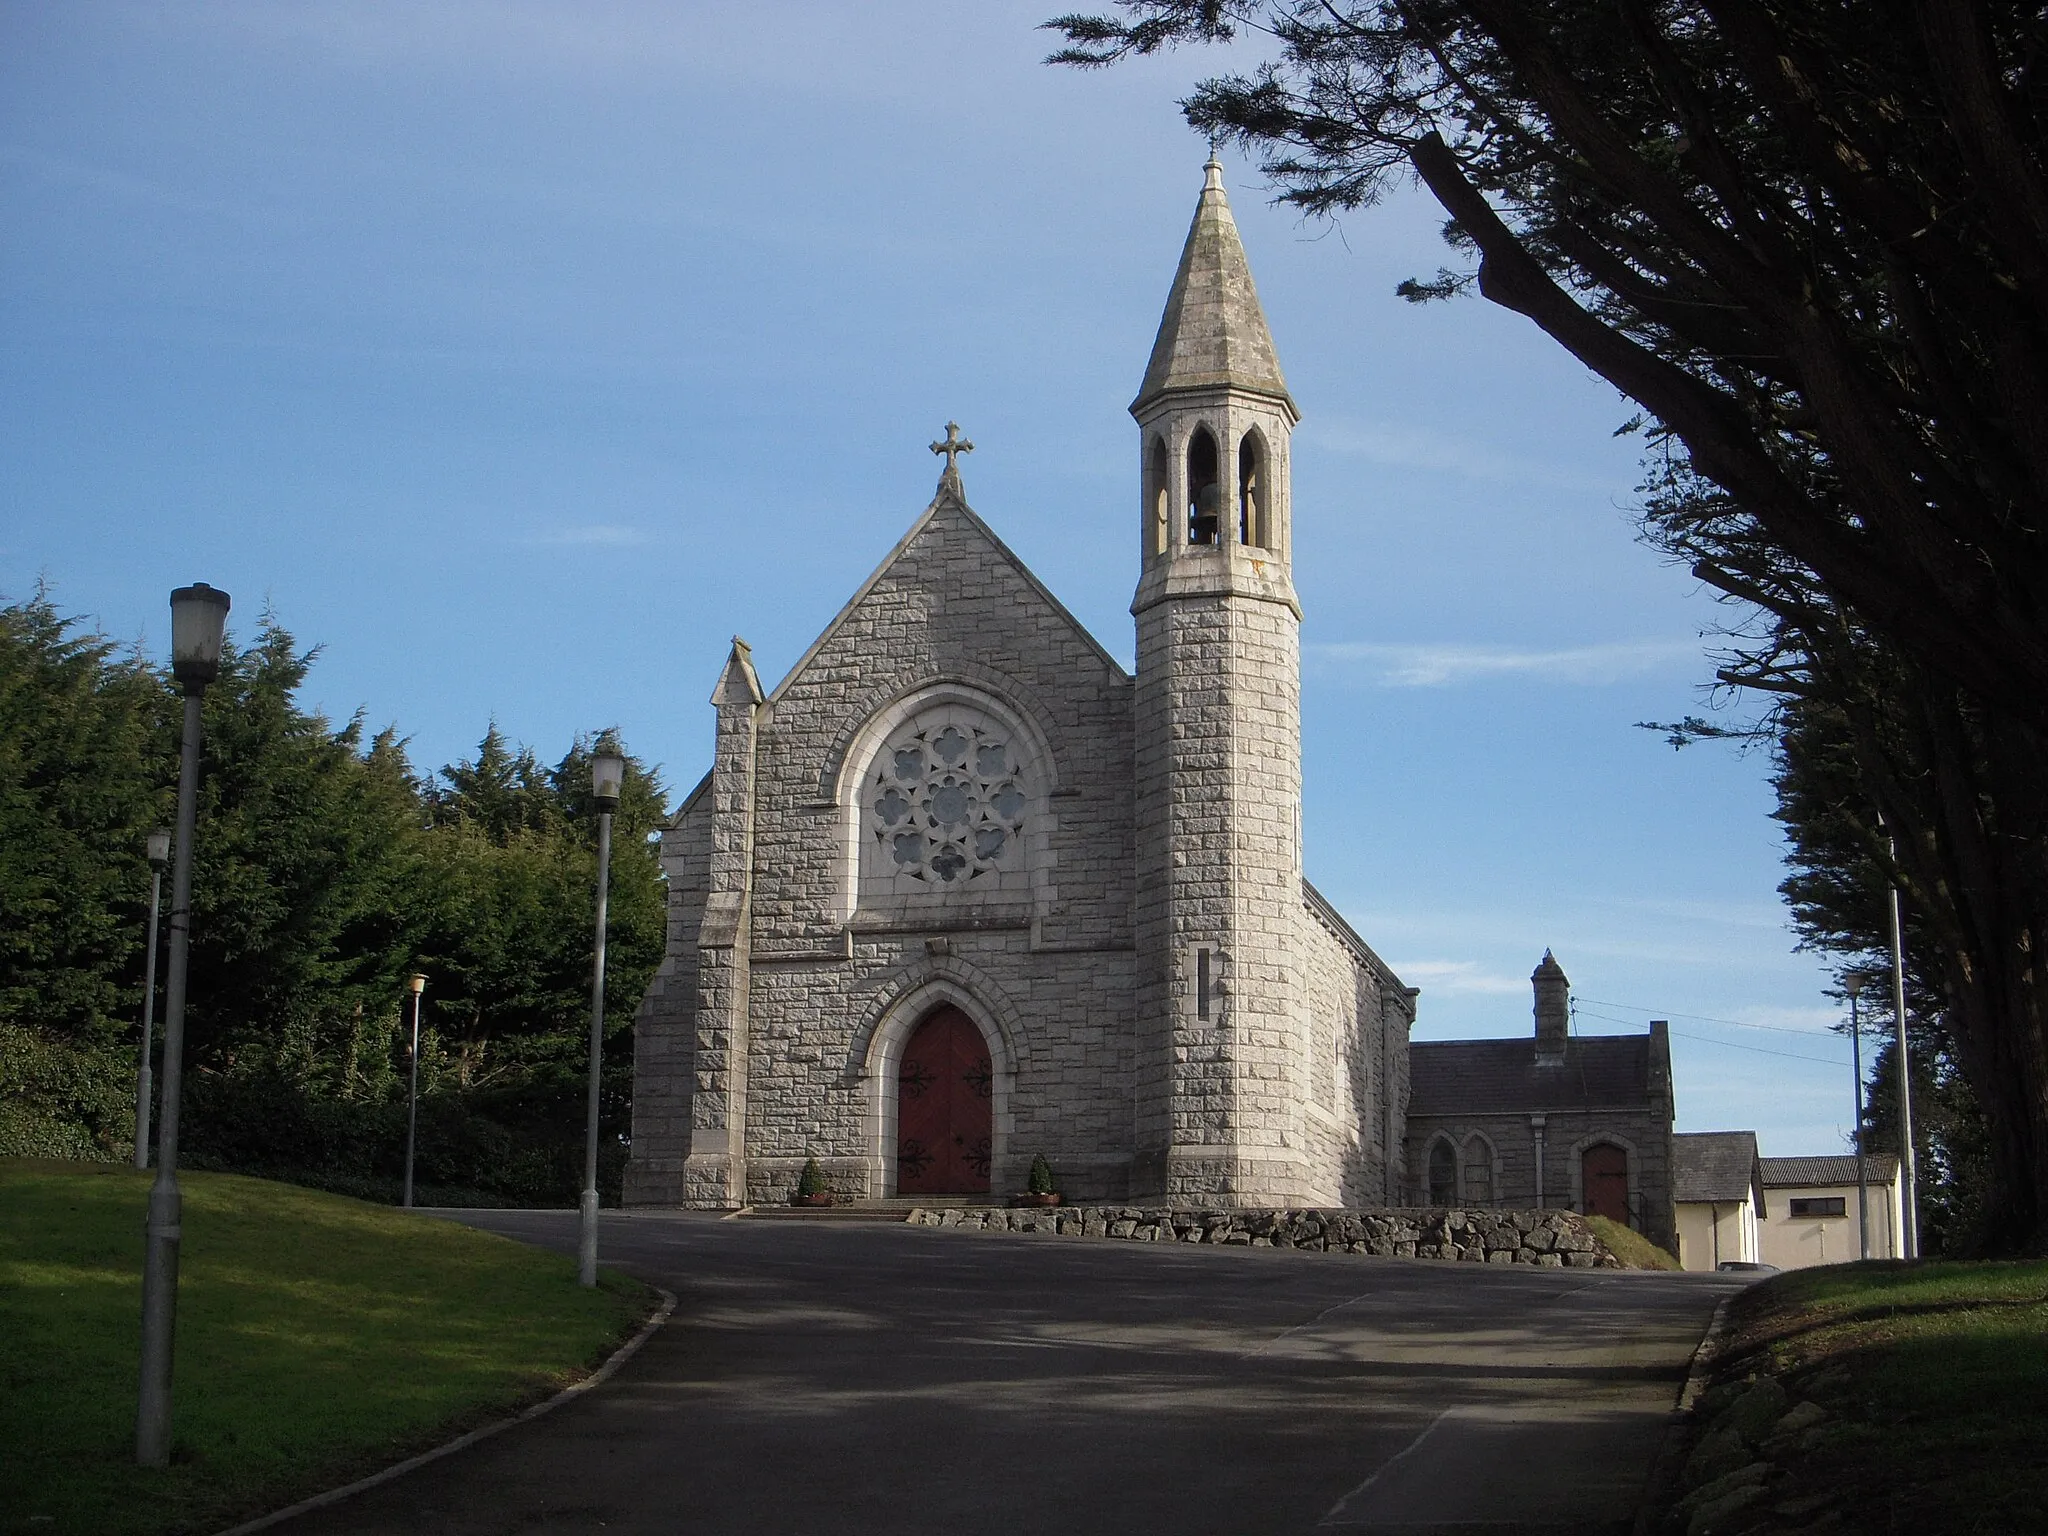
x=863, y=1212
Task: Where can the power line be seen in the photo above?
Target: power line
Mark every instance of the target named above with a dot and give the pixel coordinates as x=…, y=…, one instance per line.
x=1698, y=1018
x=1729, y=1045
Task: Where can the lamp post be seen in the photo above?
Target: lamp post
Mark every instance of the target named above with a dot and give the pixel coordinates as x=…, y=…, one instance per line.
x=159, y=847
x=199, y=617
x=607, y=775
x=1853, y=982
x=1909, y=1224
x=418, y=984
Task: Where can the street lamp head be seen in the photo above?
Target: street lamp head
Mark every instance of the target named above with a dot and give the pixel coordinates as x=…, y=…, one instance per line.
x=159, y=847
x=418, y=984
x=199, y=621
x=1853, y=983
x=607, y=777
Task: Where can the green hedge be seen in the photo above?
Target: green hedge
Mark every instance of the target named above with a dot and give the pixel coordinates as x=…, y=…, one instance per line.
x=476, y=1148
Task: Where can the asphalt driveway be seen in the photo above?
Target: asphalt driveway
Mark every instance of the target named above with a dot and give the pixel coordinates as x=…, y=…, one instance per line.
x=879, y=1378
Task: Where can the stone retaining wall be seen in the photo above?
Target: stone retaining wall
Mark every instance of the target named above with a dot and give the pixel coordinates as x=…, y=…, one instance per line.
x=1553, y=1239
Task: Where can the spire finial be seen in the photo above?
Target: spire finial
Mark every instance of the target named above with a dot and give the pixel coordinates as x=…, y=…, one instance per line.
x=952, y=448
x=1212, y=170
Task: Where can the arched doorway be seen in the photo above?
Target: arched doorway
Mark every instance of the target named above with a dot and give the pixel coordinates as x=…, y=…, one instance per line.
x=1604, y=1167
x=944, y=1090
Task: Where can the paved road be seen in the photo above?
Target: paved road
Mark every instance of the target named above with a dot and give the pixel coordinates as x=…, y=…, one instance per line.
x=881, y=1379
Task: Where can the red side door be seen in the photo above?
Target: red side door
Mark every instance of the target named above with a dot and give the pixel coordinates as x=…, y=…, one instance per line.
x=1605, y=1169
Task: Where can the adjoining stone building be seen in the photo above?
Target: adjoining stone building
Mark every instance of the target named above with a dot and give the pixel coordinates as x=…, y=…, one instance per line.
x=1579, y=1122
x=960, y=890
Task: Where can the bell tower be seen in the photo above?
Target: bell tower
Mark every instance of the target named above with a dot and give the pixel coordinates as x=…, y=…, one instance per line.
x=1223, y=993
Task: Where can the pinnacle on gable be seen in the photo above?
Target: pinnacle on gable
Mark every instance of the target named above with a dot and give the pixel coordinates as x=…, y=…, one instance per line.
x=1213, y=333
x=737, y=683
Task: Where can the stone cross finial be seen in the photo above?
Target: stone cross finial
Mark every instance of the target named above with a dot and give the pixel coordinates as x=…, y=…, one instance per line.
x=952, y=448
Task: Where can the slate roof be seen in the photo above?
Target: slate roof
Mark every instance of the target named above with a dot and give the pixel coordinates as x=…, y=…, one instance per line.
x=1714, y=1166
x=1214, y=331
x=1790, y=1172
x=1501, y=1077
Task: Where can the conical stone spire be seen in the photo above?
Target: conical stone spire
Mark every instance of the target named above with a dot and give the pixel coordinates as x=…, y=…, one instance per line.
x=1213, y=333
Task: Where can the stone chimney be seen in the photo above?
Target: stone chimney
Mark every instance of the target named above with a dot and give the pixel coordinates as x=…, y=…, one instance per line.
x=1553, y=1008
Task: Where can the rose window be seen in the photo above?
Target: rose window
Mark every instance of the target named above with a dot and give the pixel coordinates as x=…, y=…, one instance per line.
x=944, y=804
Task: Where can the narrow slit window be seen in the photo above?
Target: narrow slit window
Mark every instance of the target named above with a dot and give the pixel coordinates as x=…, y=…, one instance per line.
x=1202, y=983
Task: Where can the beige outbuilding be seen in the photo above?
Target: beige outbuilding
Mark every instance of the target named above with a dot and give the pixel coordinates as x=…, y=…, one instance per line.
x=1813, y=1210
x=1719, y=1186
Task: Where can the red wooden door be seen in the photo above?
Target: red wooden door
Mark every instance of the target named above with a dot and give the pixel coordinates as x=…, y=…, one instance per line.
x=1605, y=1168
x=943, y=1124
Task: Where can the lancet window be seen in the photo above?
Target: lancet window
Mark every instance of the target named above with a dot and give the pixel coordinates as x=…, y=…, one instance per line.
x=1205, y=491
x=1251, y=494
x=1159, y=521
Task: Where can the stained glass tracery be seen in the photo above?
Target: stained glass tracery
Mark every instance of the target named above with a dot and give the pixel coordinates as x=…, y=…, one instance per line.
x=944, y=803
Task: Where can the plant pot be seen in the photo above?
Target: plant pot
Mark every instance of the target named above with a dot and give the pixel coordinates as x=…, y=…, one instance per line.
x=1028, y=1198
x=812, y=1202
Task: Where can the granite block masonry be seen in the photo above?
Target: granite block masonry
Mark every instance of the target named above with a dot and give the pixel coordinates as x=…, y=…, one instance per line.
x=960, y=890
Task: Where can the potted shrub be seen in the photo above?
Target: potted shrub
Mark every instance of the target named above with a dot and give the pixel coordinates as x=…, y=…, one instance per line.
x=811, y=1188
x=1038, y=1189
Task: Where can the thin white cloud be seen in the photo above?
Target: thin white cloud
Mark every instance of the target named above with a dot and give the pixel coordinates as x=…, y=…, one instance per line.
x=1457, y=976
x=595, y=535
x=1448, y=665
x=1763, y=914
x=1405, y=446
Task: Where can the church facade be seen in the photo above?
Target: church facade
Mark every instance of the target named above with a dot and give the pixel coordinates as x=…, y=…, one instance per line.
x=960, y=891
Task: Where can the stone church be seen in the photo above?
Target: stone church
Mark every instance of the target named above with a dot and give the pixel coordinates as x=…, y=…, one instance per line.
x=961, y=891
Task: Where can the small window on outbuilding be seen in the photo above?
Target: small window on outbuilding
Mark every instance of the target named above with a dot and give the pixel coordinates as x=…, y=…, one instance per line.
x=1205, y=492
x=1824, y=1205
x=1443, y=1174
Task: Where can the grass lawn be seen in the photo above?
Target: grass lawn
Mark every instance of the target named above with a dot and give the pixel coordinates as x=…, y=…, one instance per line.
x=318, y=1338
x=1936, y=1379
x=1629, y=1245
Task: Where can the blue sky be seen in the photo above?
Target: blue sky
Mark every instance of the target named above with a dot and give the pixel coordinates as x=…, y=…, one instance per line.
x=520, y=354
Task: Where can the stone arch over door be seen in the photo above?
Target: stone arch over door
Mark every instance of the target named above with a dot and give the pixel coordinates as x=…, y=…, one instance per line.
x=880, y=1053
x=1629, y=1181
